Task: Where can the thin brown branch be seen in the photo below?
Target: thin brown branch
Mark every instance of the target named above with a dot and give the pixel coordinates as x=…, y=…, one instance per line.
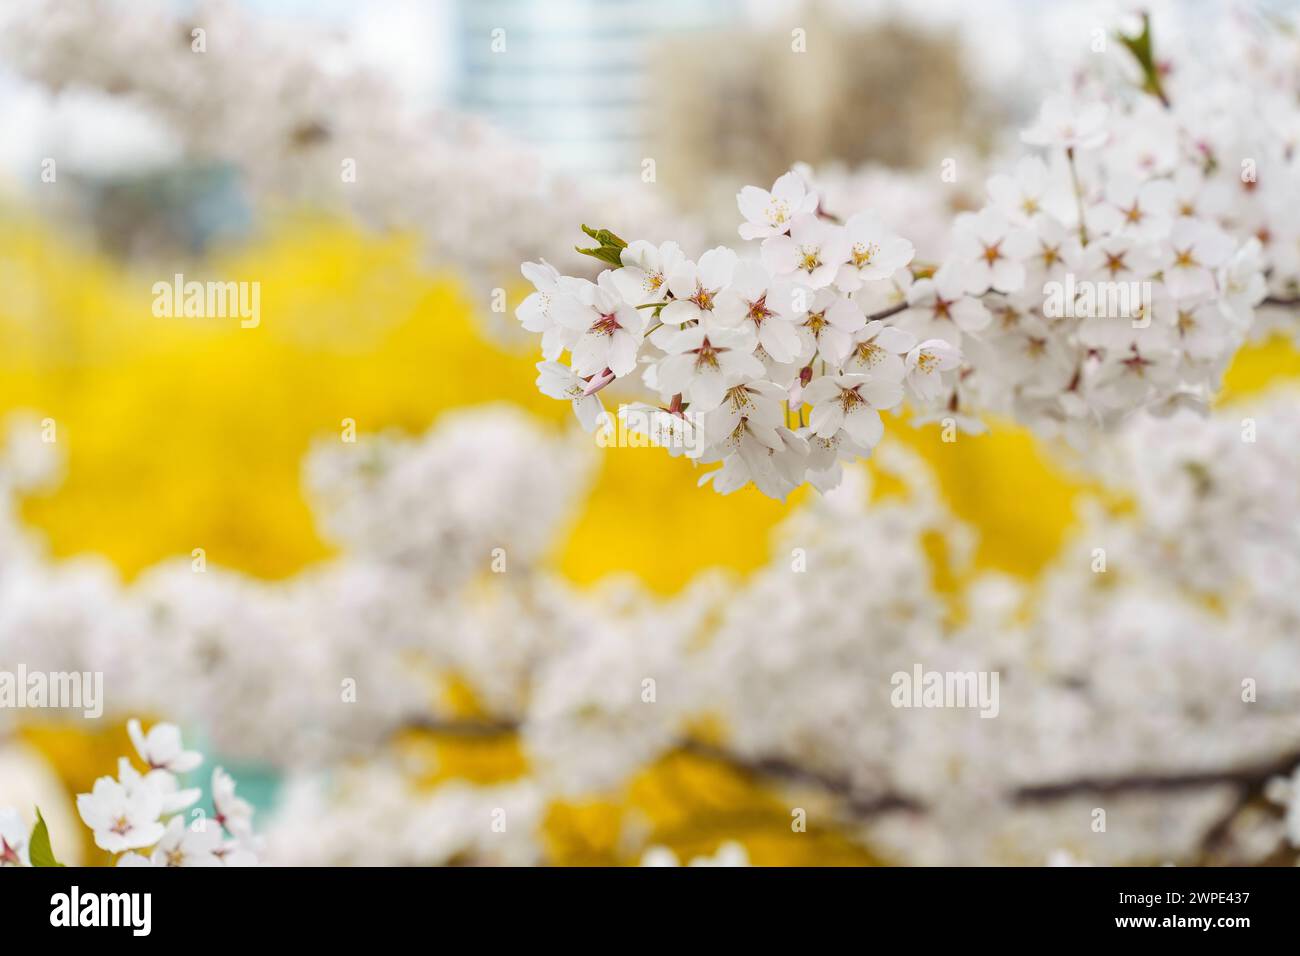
x=1249, y=779
x=1248, y=776
x=860, y=804
x=886, y=313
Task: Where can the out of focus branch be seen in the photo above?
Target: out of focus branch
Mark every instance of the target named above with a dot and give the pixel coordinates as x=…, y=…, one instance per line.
x=777, y=768
x=1249, y=779
x=1249, y=776
x=862, y=805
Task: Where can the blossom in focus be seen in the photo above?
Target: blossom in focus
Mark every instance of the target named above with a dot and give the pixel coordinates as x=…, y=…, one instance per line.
x=122, y=818
x=771, y=213
x=161, y=748
x=813, y=252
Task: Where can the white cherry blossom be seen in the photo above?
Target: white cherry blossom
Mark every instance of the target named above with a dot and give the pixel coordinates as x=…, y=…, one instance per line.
x=813, y=251
x=645, y=272
x=1062, y=124
x=122, y=818
x=771, y=213
x=875, y=253
x=851, y=403
x=609, y=329
x=161, y=747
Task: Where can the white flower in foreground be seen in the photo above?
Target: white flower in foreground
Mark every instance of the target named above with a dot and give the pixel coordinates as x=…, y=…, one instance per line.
x=851, y=402
x=992, y=250
x=774, y=460
x=609, y=329
x=1144, y=209
x=188, y=846
x=678, y=432
x=1119, y=257
x=770, y=213
x=875, y=253
x=756, y=404
x=535, y=312
x=645, y=272
x=1066, y=125
x=754, y=300
x=825, y=455
x=13, y=838
x=1242, y=282
x=695, y=286
x=878, y=349
x=700, y=364
x=828, y=327
x=230, y=811
x=1198, y=249
x=942, y=299
x=1022, y=196
x=235, y=853
x=122, y=818
x=557, y=380
x=735, y=345
x=926, y=364
x=162, y=782
x=161, y=748
x=813, y=252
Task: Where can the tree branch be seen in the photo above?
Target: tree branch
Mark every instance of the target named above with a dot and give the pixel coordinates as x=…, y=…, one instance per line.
x=1250, y=779
x=886, y=313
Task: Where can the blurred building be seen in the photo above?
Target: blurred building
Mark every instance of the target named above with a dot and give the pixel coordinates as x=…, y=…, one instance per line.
x=572, y=77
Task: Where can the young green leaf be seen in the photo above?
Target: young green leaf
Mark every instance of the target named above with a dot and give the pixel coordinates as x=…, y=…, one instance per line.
x=608, y=254
x=610, y=249
x=1141, y=48
x=604, y=237
x=39, y=845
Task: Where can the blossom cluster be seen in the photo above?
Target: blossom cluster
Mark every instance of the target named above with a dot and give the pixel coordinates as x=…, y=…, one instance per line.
x=144, y=819
x=1091, y=285
x=775, y=366
x=1116, y=268
x=1231, y=104
x=1094, y=283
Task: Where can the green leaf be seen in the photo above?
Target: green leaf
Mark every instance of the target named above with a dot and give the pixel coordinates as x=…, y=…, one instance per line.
x=610, y=254
x=1141, y=48
x=610, y=249
x=604, y=237
x=39, y=845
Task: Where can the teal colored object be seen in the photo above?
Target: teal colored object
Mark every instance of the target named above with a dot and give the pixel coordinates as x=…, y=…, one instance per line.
x=256, y=782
